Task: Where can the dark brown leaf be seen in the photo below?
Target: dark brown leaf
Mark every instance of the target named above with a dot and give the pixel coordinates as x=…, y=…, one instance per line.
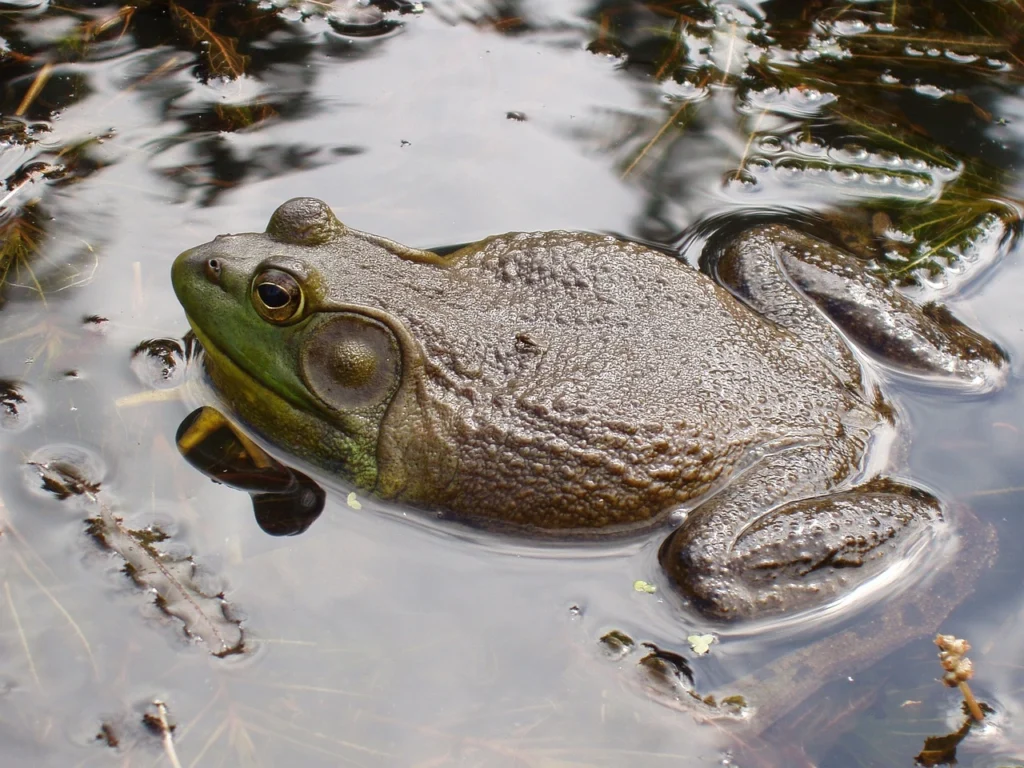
x=221, y=51
x=173, y=579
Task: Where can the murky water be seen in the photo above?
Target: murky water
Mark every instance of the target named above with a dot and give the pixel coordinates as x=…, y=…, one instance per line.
x=132, y=133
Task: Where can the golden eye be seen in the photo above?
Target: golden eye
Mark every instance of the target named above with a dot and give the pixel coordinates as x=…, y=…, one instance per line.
x=277, y=296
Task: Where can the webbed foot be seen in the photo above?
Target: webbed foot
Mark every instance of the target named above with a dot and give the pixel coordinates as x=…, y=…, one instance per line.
x=798, y=554
x=806, y=284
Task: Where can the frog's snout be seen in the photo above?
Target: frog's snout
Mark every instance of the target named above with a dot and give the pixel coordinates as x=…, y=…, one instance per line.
x=196, y=265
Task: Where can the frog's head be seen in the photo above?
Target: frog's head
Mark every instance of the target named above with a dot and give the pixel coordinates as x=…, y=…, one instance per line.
x=297, y=363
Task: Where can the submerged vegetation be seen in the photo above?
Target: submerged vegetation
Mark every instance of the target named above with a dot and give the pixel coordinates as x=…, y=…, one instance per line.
x=851, y=103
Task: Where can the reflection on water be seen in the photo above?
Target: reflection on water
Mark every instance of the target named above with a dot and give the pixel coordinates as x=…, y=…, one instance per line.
x=284, y=501
x=133, y=132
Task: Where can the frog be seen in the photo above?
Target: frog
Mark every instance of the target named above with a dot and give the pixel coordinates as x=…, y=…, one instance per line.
x=574, y=386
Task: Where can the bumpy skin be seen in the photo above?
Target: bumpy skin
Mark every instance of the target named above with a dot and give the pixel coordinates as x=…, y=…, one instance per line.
x=566, y=384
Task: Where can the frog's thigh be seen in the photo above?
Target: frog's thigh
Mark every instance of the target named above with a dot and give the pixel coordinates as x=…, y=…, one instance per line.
x=749, y=268
x=798, y=554
x=763, y=263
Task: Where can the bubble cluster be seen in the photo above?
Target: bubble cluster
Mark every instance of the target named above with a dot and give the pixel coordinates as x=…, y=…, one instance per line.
x=795, y=102
x=853, y=167
x=849, y=27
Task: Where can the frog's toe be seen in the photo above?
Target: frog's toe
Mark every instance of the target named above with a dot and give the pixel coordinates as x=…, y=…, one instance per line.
x=710, y=587
x=949, y=348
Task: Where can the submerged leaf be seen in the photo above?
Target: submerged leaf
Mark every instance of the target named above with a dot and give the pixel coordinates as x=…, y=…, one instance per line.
x=941, y=750
x=221, y=51
x=64, y=480
x=173, y=580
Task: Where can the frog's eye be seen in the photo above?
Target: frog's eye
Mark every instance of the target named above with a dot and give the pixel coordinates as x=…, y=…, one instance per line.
x=277, y=296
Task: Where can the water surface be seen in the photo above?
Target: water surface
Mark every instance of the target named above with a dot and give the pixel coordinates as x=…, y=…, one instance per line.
x=132, y=133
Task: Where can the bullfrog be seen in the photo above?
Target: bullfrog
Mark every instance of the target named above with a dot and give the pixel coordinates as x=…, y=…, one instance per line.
x=573, y=385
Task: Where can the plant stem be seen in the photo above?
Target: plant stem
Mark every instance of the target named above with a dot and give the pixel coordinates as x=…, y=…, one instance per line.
x=972, y=703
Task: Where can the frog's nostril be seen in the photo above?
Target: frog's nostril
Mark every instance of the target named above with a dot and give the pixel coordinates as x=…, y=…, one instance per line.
x=212, y=270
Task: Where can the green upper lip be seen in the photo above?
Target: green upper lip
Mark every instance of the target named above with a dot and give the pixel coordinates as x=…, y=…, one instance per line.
x=223, y=360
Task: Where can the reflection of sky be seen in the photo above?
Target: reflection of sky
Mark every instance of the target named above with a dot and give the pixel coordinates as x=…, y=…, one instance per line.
x=971, y=452
x=493, y=174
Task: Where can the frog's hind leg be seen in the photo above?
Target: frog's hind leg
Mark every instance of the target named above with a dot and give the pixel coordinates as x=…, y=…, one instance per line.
x=812, y=288
x=802, y=551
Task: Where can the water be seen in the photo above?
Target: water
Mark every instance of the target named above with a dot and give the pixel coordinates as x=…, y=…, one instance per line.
x=374, y=638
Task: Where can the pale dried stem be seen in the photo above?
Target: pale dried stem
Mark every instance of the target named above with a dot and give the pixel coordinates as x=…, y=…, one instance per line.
x=21, y=635
x=33, y=91
x=63, y=611
x=972, y=703
x=165, y=729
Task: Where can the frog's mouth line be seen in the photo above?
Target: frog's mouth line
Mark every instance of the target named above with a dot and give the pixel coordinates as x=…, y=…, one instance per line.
x=231, y=373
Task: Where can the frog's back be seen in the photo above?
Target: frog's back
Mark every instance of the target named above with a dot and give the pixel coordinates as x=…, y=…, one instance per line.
x=594, y=382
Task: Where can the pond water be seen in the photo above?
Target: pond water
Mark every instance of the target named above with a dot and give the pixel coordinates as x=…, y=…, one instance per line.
x=145, y=616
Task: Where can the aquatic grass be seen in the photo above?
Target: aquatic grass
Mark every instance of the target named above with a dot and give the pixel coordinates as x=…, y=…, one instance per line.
x=18, y=546
x=220, y=51
x=21, y=634
x=20, y=236
x=842, y=51
x=678, y=120
x=64, y=612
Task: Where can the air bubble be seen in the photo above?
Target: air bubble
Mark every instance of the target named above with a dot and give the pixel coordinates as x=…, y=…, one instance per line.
x=846, y=175
x=742, y=180
x=850, y=27
x=675, y=93
x=962, y=58
x=911, y=183
x=932, y=91
x=855, y=153
x=789, y=170
x=888, y=159
x=808, y=146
